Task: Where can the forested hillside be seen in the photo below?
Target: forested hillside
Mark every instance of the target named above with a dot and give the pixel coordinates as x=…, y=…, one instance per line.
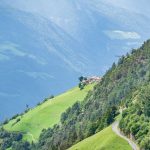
x=125, y=86
x=136, y=118
x=100, y=107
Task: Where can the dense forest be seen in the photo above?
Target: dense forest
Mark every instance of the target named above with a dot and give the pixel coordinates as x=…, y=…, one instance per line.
x=13, y=140
x=125, y=85
x=136, y=117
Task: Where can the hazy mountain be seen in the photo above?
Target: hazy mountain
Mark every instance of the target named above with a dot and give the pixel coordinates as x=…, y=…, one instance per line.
x=46, y=45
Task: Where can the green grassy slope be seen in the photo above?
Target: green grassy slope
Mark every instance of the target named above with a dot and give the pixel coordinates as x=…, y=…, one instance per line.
x=104, y=140
x=47, y=114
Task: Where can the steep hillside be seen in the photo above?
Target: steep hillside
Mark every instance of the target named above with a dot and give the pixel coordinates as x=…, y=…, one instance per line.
x=135, y=122
x=104, y=140
x=99, y=108
x=46, y=114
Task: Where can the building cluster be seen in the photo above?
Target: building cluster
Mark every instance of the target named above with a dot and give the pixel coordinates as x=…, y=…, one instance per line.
x=92, y=79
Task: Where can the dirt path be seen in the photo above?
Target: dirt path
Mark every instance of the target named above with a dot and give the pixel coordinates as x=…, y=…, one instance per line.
x=117, y=131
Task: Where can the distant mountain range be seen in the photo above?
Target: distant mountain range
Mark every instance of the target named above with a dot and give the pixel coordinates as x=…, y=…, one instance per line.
x=45, y=46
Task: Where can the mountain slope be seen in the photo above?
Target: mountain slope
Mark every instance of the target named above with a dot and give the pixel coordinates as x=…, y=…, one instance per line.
x=99, y=108
x=47, y=114
x=125, y=85
x=135, y=122
x=104, y=140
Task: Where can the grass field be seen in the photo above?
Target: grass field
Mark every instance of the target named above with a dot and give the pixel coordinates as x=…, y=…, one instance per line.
x=104, y=140
x=47, y=114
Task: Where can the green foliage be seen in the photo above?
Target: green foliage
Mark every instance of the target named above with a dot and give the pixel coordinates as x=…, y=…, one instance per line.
x=136, y=119
x=81, y=85
x=7, y=139
x=21, y=146
x=6, y=121
x=45, y=100
x=82, y=78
